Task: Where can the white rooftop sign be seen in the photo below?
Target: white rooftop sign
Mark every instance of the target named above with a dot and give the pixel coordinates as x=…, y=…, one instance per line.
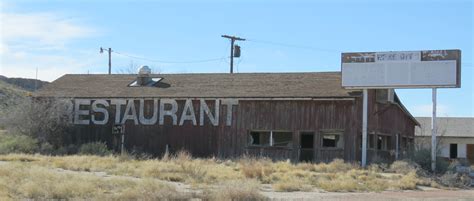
x=406, y=69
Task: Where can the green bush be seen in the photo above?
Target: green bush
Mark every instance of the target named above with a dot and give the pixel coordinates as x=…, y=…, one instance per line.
x=46, y=149
x=423, y=158
x=94, y=148
x=17, y=144
x=67, y=150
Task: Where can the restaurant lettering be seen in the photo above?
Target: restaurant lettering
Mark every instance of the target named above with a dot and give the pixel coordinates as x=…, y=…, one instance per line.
x=89, y=111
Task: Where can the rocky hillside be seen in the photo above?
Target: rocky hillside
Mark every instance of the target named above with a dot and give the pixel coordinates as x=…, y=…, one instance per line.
x=24, y=83
x=9, y=93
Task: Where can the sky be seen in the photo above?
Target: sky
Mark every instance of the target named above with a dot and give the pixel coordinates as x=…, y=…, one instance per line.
x=64, y=37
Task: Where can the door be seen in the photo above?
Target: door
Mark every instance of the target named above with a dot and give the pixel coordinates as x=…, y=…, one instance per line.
x=470, y=153
x=306, y=146
x=453, y=150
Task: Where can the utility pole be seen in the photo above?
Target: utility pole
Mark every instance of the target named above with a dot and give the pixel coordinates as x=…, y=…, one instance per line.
x=110, y=57
x=36, y=79
x=232, y=40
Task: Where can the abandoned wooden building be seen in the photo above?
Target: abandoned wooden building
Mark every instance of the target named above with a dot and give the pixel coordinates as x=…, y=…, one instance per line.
x=296, y=116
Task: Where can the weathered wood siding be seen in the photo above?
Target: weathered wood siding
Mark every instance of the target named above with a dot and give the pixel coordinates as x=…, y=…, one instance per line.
x=384, y=119
x=281, y=115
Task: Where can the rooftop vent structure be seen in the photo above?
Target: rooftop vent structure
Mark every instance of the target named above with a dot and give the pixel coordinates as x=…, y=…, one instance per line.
x=144, y=78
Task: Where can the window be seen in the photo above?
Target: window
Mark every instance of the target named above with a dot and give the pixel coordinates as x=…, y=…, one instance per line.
x=383, y=142
x=371, y=141
x=282, y=139
x=260, y=138
x=384, y=95
x=271, y=138
x=332, y=139
x=147, y=82
x=307, y=140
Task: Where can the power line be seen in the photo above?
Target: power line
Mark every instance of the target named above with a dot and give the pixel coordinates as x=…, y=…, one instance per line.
x=294, y=46
x=232, y=48
x=164, y=61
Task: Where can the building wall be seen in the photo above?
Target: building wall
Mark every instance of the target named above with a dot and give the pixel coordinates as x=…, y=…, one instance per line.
x=385, y=119
x=225, y=141
x=444, y=144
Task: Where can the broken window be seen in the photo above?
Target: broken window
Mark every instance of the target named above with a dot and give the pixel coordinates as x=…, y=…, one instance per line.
x=282, y=139
x=332, y=139
x=260, y=138
x=383, y=142
x=271, y=138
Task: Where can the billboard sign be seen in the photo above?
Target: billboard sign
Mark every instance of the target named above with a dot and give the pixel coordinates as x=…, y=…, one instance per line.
x=402, y=69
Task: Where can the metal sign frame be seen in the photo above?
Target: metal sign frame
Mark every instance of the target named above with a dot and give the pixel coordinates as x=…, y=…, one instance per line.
x=401, y=58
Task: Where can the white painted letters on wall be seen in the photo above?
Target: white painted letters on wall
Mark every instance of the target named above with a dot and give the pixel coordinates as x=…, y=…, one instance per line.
x=118, y=108
x=229, y=104
x=78, y=112
x=171, y=112
x=130, y=112
x=102, y=110
x=214, y=119
x=188, y=113
x=153, y=118
x=161, y=109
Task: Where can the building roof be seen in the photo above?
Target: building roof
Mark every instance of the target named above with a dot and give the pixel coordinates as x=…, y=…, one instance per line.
x=447, y=126
x=209, y=85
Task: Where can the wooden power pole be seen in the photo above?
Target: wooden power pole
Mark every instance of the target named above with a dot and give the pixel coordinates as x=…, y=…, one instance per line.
x=110, y=57
x=232, y=40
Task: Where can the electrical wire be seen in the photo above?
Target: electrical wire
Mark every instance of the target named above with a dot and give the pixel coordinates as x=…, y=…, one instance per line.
x=293, y=45
x=164, y=61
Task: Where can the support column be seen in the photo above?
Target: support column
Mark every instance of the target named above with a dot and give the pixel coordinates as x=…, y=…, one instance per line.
x=433, y=133
x=364, y=128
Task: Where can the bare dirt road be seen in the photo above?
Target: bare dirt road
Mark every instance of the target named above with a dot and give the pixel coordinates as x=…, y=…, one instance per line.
x=435, y=194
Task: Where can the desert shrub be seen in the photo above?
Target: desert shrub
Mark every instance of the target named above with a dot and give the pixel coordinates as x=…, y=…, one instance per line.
x=289, y=185
x=442, y=165
x=46, y=149
x=236, y=190
x=451, y=179
x=67, y=150
x=44, y=120
x=422, y=157
x=402, y=167
x=254, y=168
x=94, y=148
x=10, y=143
x=408, y=181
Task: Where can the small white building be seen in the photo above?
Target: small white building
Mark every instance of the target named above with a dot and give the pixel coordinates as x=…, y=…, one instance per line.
x=455, y=135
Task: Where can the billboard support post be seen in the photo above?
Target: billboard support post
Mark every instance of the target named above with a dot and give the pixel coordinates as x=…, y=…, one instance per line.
x=401, y=69
x=364, y=128
x=433, y=133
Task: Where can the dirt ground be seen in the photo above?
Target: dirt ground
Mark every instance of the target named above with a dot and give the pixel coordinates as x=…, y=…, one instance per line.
x=424, y=193
x=435, y=194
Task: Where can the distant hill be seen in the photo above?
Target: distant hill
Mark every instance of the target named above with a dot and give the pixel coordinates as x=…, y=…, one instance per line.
x=24, y=83
x=10, y=93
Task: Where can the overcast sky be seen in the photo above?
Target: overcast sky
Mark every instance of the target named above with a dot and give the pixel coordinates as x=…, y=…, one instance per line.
x=60, y=37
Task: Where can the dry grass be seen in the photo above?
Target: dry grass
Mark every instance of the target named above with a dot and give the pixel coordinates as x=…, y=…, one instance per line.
x=232, y=178
x=27, y=181
x=237, y=190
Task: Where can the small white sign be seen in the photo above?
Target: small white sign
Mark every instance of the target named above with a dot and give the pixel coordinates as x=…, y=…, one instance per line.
x=118, y=129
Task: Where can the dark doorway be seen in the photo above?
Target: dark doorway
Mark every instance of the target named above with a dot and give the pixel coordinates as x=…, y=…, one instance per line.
x=453, y=150
x=307, y=146
x=470, y=153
